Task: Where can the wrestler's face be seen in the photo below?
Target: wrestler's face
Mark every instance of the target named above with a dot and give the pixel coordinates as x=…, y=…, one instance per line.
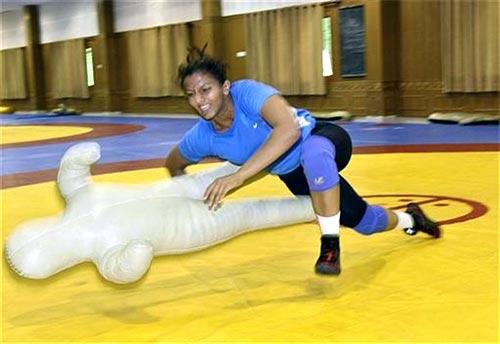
x=206, y=95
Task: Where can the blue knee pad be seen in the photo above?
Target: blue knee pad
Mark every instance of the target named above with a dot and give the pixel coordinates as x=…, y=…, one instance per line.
x=374, y=221
x=318, y=161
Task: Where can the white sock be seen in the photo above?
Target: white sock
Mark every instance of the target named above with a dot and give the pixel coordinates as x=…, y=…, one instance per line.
x=404, y=220
x=329, y=225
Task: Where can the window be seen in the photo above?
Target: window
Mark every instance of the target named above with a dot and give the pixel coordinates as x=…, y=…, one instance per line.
x=89, y=63
x=326, y=24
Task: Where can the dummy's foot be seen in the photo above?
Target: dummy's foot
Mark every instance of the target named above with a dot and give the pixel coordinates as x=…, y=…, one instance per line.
x=328, y=262
x=422, y=222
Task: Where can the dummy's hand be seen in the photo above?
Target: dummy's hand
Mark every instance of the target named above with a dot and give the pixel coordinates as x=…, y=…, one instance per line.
x=219, y=188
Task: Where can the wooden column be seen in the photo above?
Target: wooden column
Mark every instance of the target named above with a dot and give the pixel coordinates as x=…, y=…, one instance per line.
x=391, y=56
x=105, y=68
x=383, y=56
x=34, y=60
x=209, y=28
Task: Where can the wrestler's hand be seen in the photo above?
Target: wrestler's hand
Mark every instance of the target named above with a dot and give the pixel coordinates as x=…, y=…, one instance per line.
x=219, y=188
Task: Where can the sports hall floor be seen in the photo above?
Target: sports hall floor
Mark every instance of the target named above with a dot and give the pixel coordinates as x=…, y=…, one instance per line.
x=261, y=286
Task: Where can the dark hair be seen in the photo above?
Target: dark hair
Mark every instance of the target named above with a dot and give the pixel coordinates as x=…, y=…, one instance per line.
x=198, y=61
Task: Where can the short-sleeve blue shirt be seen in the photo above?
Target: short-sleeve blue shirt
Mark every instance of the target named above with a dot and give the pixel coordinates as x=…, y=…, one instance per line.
x=247, y=133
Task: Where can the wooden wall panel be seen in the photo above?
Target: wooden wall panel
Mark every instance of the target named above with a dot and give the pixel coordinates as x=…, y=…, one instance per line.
x=123, y=75
x=403, y=59
x=352, y=94
x=391, y=40
x=209, y=28
x=130, y=104
x=234, y=41
x=19, y=104
x=373, y=36
x=96, y=101
x=420, y=40
x=27, y=104
x=420, y=74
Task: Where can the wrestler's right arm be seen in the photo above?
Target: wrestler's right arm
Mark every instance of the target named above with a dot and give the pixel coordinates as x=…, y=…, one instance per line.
x=175, y=163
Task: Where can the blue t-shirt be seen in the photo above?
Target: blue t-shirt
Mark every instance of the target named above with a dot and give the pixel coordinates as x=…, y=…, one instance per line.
x=247, y=133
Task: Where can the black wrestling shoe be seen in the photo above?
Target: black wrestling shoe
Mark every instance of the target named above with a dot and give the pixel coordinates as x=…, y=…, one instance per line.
x=422, y=222
x=328, y=262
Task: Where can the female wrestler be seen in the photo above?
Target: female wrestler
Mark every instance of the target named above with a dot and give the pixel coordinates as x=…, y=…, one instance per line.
x=250, y=124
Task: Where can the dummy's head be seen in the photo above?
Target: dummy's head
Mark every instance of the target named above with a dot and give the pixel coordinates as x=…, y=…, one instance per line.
x=40, y=248
x=203, y=79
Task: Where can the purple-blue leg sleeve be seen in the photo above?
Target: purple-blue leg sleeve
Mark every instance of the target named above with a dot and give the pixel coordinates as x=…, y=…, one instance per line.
x=374, y=221
x=318, y=160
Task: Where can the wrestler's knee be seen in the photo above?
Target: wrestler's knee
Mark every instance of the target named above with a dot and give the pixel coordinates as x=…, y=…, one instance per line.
x=318, y=161
x=373, y=221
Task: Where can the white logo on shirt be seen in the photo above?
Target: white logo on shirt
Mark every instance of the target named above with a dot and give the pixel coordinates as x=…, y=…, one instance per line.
x=255, y=125
x=301, y=121
x=319, y=180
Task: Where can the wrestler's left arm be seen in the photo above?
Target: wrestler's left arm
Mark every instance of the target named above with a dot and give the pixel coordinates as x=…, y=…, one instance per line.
x=286, y=131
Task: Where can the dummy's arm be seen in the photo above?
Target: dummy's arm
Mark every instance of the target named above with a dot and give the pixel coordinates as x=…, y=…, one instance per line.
x=74, y=168
x=126, y=263
x=194, y=185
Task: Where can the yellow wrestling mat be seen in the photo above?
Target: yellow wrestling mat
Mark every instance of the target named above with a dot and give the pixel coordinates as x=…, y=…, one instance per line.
x=27, y=133
x=261, y=286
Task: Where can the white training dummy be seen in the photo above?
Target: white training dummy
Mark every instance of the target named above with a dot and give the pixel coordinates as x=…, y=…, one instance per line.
x=120, y=227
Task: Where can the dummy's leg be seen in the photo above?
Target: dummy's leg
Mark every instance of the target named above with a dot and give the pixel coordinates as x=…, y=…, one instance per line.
x=194, y=185
x=208, y=228
x=126, y=263
x=74, y=168
x=237, y=217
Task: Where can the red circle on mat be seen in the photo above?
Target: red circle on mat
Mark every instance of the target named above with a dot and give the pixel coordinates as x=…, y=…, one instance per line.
x=477, y=209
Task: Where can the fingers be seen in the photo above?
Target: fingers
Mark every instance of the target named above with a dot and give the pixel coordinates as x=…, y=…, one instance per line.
x=218, y=206
x=215, y=193
x=220, y=187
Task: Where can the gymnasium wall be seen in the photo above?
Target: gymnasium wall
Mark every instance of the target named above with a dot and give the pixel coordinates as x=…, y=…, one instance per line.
x=403, y=64
x=420, y=71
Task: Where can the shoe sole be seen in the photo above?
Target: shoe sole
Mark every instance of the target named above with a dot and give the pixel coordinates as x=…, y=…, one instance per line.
x=324, y=269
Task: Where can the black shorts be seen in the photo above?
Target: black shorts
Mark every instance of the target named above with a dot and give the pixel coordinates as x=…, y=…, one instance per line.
x=352, y=206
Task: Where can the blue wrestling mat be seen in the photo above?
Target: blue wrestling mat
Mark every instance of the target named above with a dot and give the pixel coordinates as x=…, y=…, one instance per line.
x=158, y=135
